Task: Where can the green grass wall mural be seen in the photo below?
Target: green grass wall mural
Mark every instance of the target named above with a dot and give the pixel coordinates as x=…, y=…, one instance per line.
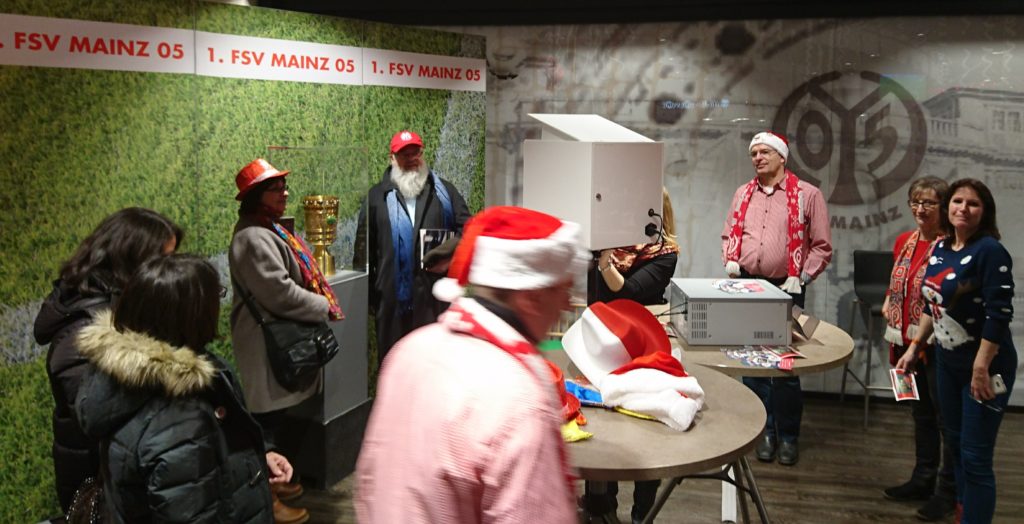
x=78, y=144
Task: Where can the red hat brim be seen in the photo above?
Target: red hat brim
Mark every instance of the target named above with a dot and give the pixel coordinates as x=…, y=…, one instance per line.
x=257, y=181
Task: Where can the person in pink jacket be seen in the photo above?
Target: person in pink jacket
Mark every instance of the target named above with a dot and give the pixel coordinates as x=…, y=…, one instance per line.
x=465, y=426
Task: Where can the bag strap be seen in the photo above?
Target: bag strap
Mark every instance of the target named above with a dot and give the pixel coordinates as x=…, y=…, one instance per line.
x=249, y=303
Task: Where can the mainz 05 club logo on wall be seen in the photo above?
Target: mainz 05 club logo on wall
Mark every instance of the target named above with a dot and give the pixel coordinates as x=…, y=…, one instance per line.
x=863, y=129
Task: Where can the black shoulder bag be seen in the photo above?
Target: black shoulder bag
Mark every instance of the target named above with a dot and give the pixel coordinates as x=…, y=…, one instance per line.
x=296, y=350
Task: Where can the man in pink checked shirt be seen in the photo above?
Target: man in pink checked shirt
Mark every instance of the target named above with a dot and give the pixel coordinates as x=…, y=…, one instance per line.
x=777, y=230
x=466, y=424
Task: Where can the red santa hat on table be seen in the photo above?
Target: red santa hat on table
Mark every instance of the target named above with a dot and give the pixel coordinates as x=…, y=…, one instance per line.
x=772, y=140
x=510, y=247
x=623, y=350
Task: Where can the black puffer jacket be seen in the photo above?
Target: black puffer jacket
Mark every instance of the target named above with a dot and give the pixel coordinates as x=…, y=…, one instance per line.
x=62, y=315
x=177, y=443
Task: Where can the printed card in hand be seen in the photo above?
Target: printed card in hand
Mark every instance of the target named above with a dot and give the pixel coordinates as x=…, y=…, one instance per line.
x=904, y=385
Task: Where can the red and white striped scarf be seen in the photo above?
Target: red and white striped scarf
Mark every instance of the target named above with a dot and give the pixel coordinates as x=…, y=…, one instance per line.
x=469, y=317
x=906, y=287
x=794, y=234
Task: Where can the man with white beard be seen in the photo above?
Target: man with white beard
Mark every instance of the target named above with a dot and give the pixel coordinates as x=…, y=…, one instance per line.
x=408, y=202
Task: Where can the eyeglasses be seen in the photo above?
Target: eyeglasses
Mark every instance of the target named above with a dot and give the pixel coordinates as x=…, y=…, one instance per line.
x=927, y=205
x=278, y=189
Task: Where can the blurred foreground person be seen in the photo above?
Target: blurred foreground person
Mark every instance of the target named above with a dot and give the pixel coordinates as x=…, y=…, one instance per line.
x=465, y=427
x=178, y=443
x=89, y=282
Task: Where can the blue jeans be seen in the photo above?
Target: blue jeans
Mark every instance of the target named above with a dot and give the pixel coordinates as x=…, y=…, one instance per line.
x=783, y=401
x=782, y=397
x=971, y=430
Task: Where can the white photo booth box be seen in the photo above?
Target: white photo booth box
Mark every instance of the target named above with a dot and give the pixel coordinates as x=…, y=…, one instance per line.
x=592, y=171
x=730, y=312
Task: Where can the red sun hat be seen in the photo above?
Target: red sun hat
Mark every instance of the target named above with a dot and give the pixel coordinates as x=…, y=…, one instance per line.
x=611, y=335
x=257, y=171
x=403, y=139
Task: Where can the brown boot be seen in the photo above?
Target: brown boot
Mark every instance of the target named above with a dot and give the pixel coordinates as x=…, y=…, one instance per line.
x=288, y=491
x=287, y=514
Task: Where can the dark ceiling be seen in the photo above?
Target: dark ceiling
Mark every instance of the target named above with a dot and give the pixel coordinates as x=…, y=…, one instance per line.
x=533, y=12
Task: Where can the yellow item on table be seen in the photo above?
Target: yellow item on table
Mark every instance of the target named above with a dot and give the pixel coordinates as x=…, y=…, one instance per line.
x=634, y=414
x=571, y=432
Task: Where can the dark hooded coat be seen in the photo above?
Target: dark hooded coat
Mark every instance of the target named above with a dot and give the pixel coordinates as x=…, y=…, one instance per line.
x=373, y=248
x=176, y=442
x=64, y=312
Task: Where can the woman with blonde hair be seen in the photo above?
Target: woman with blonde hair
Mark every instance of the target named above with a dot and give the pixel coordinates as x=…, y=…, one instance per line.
x=641, y=273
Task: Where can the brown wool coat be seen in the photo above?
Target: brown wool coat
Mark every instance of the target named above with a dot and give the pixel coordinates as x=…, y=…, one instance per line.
x=264, y=266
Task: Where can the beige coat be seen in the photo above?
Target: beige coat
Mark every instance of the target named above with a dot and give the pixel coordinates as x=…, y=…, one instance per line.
x=264, y=266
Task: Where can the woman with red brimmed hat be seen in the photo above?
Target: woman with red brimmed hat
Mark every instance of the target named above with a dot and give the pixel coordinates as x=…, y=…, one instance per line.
x=278, y=271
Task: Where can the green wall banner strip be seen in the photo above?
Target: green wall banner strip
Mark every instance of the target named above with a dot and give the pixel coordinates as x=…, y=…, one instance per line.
x=80, y=44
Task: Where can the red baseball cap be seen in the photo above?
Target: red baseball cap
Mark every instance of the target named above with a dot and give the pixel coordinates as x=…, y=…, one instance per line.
x=403, y=139
x=257, y=171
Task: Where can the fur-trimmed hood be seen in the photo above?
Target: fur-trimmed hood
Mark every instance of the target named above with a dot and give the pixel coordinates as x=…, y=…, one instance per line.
x=138, y=361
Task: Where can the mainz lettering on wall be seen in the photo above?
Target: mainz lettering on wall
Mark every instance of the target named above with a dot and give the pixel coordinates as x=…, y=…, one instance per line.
x=80, y=44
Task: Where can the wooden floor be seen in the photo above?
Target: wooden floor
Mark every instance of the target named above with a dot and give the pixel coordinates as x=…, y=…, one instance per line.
x=839, y=478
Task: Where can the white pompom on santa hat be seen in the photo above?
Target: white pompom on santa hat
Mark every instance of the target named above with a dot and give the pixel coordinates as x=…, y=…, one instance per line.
x=509, y=247
x=623, y=350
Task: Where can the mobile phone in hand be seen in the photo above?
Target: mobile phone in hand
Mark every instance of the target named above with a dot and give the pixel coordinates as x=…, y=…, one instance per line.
x=998, y=386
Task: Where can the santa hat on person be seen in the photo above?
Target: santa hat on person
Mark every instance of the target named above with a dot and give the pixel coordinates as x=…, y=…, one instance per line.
x=623, y=350
x=772, y=140
x=510, y=247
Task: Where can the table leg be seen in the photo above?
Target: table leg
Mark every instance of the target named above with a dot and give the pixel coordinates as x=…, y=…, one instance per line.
x=728, y=496
x=663, y=495
x=755, y=494
x=741, y=491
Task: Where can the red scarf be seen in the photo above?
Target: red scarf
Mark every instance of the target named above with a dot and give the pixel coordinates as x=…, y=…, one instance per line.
x=627, y=257
x=459, y=319
x=795, y=234
x=904, y=287
x=312, y=278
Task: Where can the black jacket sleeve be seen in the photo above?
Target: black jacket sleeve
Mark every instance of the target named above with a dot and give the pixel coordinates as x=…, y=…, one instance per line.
x=645, y=284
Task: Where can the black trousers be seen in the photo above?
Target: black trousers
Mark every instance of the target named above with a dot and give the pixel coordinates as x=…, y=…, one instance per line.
x=933, y=461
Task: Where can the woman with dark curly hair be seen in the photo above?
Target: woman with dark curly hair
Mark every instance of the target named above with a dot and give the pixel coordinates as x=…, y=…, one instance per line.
x=89, y=282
